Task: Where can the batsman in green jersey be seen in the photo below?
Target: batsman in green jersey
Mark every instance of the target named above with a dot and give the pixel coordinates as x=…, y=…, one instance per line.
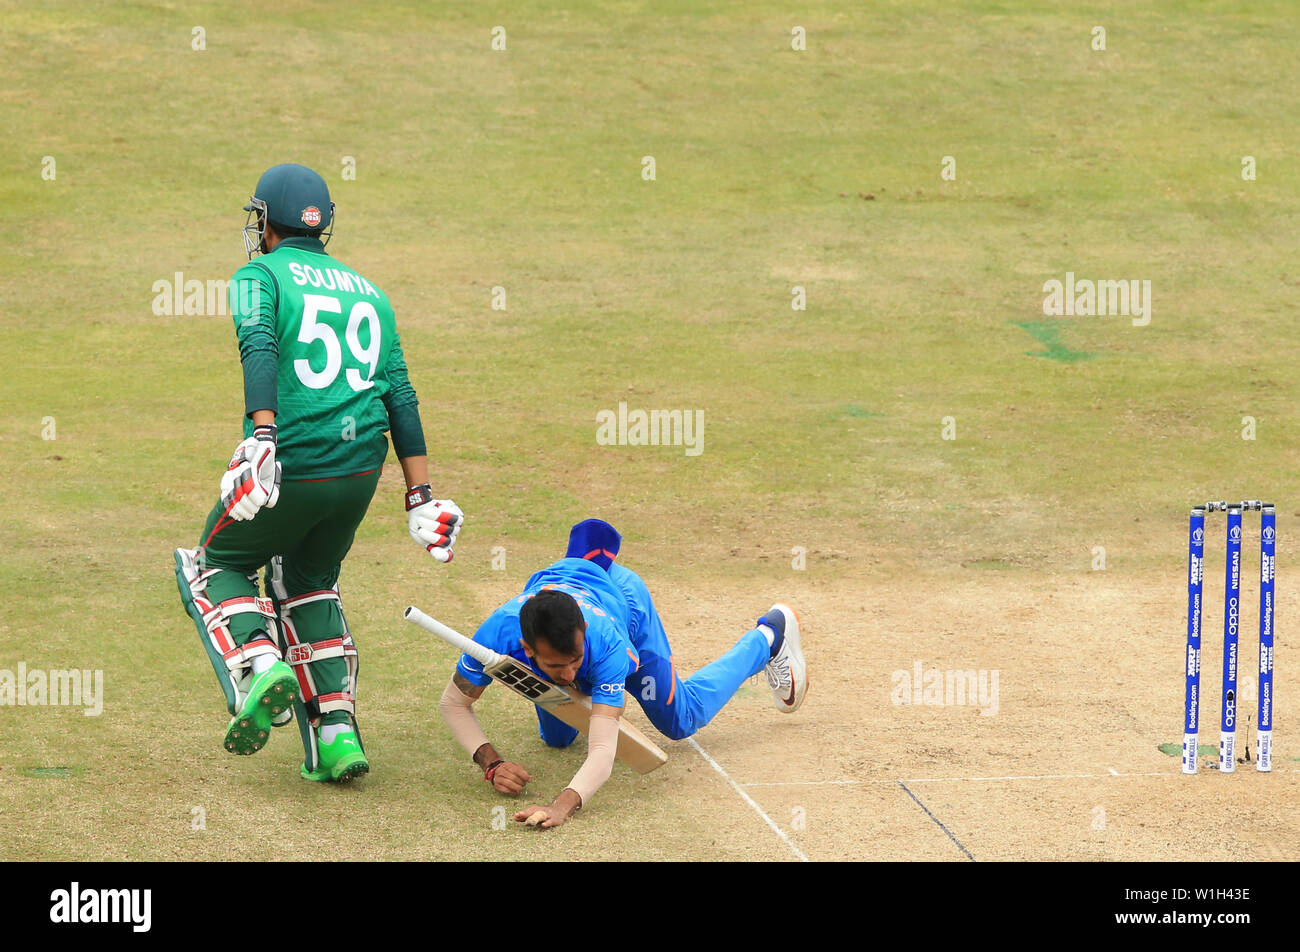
x=324, y=378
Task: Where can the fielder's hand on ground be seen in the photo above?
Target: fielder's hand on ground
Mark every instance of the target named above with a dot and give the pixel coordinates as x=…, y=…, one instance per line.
x=508, y=778
x=434, y=523
x=555, y=816
x=252, y=480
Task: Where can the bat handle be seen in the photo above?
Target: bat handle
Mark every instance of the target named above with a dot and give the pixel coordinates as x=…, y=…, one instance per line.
x=454, y=638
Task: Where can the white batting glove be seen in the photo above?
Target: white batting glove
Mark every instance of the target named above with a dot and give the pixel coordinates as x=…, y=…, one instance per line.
x=434, y=523
x=253, y=478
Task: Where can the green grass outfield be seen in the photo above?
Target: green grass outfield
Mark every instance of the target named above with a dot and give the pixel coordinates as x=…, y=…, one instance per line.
x=522, y=169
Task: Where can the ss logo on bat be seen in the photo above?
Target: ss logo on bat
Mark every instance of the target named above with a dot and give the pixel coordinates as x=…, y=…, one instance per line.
x=526, y=683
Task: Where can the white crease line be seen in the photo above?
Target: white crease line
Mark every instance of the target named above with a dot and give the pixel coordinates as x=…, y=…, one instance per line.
x=811, y=783
x=828, y=783
x=748, y=799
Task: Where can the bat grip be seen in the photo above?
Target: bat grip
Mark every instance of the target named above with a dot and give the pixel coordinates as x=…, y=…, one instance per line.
x=454, y=638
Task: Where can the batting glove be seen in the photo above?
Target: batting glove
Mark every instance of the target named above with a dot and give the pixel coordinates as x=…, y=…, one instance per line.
x=253, y=478
x=434, y=523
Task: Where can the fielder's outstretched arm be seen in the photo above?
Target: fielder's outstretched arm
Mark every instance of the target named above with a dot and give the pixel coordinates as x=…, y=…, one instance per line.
x=457, y=711
x=602, y=744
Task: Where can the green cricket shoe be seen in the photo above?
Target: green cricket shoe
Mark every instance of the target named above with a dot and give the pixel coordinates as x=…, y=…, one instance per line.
x=340, y=762
x=269, y=696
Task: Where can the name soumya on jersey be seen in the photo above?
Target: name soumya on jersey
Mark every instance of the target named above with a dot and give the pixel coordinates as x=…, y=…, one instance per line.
x=338, y=353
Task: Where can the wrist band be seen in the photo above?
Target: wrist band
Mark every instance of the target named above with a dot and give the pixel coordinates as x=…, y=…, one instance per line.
x=418, y=496
x=491, y=770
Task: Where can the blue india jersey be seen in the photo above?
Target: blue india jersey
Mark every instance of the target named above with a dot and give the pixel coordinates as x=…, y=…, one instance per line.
x=609, y=657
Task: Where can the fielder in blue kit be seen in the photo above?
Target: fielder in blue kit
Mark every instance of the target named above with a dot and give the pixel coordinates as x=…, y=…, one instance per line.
x=587, y=622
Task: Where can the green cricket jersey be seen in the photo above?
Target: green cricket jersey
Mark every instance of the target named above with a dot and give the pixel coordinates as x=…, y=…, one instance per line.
x=319, y=346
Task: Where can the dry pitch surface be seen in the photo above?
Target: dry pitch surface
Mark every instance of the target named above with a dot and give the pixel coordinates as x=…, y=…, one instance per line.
x=1065, y=766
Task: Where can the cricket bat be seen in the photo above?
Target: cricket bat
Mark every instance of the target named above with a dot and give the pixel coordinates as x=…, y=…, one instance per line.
x=569, y=705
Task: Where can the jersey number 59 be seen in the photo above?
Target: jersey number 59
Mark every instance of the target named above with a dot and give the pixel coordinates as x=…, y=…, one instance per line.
x=312, y=330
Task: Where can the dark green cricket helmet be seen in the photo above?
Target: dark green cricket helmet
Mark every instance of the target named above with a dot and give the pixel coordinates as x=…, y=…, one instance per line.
x=295, y=200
